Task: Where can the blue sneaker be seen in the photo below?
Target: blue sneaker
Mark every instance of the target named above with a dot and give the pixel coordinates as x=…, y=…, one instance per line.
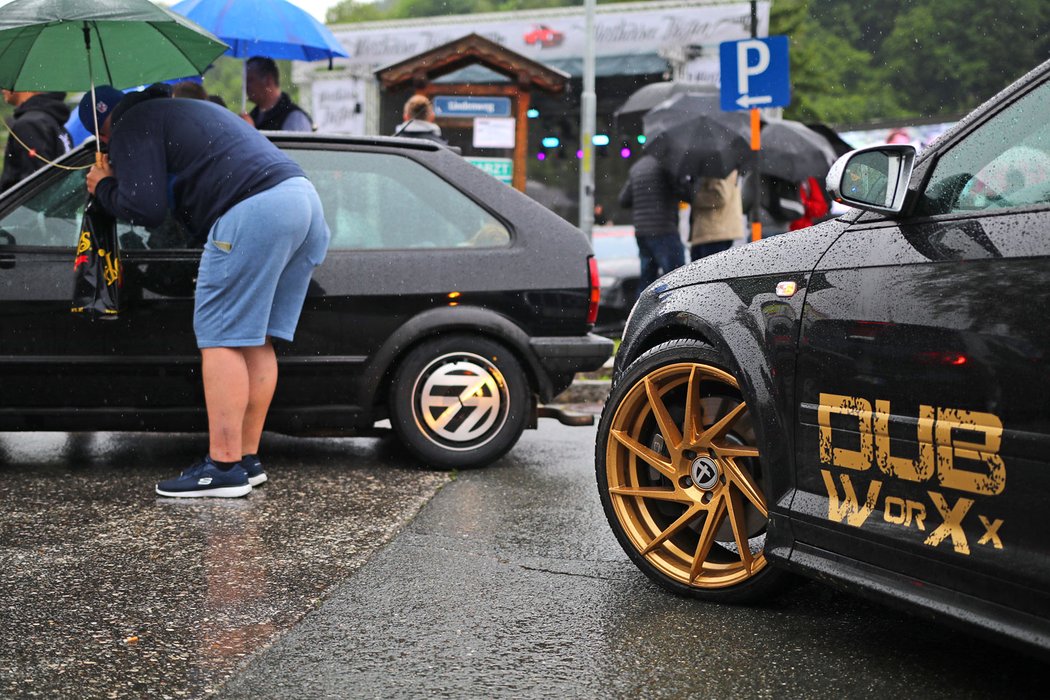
x=204, y=479
x=254, y=467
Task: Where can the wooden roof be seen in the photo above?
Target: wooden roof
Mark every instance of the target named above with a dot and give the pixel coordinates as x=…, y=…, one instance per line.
x=468, y=50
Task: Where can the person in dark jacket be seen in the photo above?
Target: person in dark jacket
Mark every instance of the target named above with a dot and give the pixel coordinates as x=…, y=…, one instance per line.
x=419, y=120
x=274, y=109
x=37, y=133
x=264, y=230
x=649, y=193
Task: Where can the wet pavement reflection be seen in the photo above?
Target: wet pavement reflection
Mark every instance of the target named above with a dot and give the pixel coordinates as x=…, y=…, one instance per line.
x=109, y=591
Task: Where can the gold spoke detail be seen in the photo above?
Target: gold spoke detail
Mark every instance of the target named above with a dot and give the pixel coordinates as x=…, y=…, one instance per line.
x=672, y=438
x=694, y=410
x=716, y=512
x=729, y=450
x=672, y=529
x=653, y=459
x=742, y=479
x=738, y=519
x=722, y=426
x=658, y=494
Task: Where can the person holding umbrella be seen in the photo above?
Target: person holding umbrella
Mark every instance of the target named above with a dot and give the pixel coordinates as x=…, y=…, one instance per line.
x=222, y=179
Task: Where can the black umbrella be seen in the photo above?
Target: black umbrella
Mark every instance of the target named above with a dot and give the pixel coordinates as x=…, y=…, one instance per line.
x=629, y=114
x=838, y=144
x=794, y=152
x=693, y=141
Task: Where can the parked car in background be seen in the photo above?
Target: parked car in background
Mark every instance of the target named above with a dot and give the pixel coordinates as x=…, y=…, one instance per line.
x=449, y=303
x=619, y=267
x=864, y=401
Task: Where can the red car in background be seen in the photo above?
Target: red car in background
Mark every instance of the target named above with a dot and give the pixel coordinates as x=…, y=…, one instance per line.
x=544, y=36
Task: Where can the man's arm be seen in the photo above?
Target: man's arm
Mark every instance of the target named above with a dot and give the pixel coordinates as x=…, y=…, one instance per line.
x=136, y=189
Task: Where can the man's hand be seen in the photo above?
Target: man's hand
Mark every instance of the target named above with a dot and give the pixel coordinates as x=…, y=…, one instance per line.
x=99, y=171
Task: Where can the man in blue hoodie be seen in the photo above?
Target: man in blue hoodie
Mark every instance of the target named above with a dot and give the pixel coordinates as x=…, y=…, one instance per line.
x=263, y=232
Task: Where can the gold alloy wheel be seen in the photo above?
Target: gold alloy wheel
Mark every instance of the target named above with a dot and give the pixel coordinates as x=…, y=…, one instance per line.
x=683, y=476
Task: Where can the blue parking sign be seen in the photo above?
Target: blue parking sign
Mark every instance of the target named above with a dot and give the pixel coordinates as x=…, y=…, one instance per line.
x=755, y=73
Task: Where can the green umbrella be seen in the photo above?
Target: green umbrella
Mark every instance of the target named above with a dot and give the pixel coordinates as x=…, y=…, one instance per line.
x=69, y=45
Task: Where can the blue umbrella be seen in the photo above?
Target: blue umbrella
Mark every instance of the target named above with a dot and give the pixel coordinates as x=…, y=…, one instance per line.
x=274, y=28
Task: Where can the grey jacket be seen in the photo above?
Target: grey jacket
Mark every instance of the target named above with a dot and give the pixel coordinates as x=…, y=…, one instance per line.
x=649, y=193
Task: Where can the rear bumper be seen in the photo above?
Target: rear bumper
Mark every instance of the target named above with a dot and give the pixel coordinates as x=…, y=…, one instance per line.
x=563, y=357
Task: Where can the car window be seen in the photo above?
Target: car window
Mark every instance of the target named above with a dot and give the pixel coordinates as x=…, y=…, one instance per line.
x=1005, y=163
x=375, y=201
x=50, y=217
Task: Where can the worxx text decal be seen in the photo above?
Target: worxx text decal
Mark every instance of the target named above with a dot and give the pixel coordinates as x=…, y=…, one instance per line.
x=957, y=451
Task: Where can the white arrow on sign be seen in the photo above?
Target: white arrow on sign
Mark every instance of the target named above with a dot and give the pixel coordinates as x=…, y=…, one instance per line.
x=744, y=71
x=748, y=101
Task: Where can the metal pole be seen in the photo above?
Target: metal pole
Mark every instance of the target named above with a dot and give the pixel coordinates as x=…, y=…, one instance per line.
x=756, y=225
x=588, y=106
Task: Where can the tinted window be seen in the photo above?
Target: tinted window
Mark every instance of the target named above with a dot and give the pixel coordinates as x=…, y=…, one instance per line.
x=51, y=217
x=1005, y=163
x=374, y=200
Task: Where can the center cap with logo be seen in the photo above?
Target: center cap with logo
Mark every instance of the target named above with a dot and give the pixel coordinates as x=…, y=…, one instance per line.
x=705, y=473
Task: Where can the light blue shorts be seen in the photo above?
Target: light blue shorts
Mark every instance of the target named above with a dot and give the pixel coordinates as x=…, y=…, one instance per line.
x=256, y=267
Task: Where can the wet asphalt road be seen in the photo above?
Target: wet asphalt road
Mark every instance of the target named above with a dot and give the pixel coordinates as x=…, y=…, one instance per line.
x=507, y=583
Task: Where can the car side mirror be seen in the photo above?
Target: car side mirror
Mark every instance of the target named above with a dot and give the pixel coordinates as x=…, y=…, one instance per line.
x=874, y=178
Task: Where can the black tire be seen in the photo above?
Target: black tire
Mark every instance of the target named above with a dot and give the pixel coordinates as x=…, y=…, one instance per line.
x=464, y=436
x=682, y=505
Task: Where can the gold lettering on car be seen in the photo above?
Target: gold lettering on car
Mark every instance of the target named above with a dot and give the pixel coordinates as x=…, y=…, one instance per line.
x=952, y=525
x=848, y=508
x=901, y=511
x=832, y=404
x=953, y=448
x=920, y=469
x=991, y=532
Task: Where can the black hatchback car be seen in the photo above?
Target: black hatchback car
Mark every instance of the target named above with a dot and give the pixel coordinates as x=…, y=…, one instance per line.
x=449, y=303
x=866, y=401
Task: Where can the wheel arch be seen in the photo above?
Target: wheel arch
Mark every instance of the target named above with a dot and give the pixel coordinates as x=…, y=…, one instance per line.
x=733, y=330
x=434, y=322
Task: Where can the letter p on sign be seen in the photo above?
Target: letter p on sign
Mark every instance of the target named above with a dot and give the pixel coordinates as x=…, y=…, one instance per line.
x=755, y=73
x=744, y=67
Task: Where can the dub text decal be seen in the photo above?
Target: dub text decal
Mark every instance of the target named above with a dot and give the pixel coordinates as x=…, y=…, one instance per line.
x=957, y=450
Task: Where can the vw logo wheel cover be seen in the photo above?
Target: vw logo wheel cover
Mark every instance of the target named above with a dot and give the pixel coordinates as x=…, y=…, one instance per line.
x=460, y=400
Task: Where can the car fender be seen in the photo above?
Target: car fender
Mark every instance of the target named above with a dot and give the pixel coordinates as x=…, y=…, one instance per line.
x=729, y=326
x=470, y=319
x=750, y=324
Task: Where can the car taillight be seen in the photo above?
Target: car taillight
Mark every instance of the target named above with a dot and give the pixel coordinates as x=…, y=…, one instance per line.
x=592, y=309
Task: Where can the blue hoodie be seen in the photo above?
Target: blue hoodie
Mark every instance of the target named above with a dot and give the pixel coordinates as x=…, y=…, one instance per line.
x=191, y=156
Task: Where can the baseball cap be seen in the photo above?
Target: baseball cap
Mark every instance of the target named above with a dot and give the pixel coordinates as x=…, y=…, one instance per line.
x=106, y=98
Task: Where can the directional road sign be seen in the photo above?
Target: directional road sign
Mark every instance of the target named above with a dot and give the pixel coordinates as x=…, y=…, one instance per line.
x=755, y=73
